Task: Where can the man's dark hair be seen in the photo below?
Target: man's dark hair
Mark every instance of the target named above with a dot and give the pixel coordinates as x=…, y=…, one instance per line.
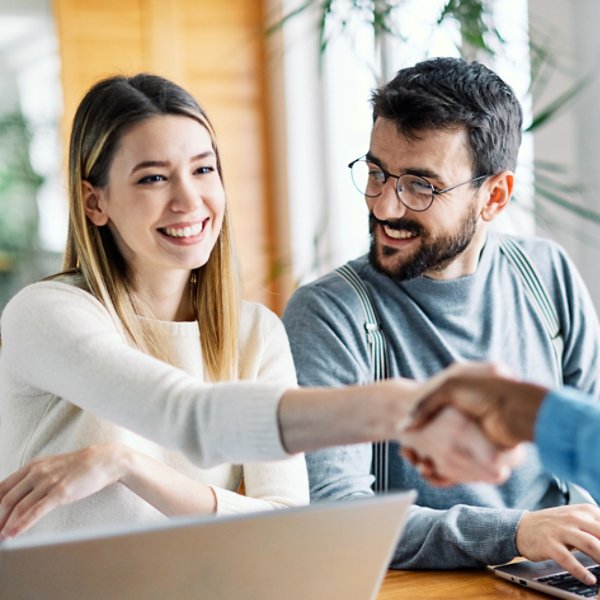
x=443, y=93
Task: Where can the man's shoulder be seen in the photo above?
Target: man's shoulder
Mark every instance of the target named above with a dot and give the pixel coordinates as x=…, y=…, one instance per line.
x=533, y=243
x=330, y=288
x=545, y=254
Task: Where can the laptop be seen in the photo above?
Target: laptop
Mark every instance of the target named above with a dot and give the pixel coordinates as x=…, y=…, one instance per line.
x=549, y=577
x=324, y=551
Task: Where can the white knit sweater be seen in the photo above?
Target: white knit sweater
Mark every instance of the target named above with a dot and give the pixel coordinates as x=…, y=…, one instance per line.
x=68, y=379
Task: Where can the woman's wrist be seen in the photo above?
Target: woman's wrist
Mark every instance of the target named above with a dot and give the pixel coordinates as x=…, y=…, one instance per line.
x=398, y=402
x=125, y=462
x=212, y=499
x=167, y=490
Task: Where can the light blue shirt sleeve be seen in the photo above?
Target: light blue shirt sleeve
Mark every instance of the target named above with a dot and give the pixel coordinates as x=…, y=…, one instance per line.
x=567, y=434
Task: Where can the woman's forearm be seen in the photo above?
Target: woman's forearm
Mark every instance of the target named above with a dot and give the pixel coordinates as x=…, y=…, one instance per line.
x=312, y=418
x=166, y=489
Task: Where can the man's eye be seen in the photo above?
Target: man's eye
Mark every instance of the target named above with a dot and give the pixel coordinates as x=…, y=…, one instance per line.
x=418, y=186
x=152, y=179
x=376, y=175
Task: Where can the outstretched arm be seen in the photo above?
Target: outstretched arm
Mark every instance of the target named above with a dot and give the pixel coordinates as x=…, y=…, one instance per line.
x=457, y=445
x=61, y=340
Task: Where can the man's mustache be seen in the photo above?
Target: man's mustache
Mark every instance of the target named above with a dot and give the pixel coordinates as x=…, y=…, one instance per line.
x=398, y=224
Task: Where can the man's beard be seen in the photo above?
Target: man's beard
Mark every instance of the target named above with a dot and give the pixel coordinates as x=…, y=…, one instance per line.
x=431, y=255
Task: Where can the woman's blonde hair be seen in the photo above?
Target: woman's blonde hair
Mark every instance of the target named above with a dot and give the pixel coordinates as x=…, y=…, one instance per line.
x=106, y=112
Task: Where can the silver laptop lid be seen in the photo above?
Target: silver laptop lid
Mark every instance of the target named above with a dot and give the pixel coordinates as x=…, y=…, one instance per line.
x=328, y=551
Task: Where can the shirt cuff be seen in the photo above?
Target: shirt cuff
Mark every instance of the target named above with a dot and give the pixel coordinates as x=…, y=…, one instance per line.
x=559, y=424
x=250, y=422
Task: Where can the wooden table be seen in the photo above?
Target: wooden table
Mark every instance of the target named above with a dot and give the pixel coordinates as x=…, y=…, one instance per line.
x=451, y=585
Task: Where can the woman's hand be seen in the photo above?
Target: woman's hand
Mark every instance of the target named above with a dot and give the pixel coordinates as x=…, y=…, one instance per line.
x=46, y=483
x=505, y=409
x=52, y=481
x=451, y=449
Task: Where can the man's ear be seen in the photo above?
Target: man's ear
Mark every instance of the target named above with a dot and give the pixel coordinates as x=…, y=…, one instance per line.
x=93, y=204
x=499, y=190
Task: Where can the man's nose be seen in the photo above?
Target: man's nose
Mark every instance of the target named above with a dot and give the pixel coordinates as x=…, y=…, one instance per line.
x=387, y=205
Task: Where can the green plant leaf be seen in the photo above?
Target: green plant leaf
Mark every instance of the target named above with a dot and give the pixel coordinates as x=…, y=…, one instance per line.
x=581, y=211
x=558, y=104
x=471, y=16
x=559, y=186
x=548, y=165
x=294, y=13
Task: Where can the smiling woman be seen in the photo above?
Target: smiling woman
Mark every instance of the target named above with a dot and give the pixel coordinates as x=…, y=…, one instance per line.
x=149, y=267
x=164, y=205
x=135, y=166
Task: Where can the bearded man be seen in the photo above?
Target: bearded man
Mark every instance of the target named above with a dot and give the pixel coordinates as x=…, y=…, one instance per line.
x=444, y=287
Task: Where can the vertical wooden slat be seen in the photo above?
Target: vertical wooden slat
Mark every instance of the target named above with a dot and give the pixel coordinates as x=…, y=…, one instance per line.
x=160, y=22
x=215, y=49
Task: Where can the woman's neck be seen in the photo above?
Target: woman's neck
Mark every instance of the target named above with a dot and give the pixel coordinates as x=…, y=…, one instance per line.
x=168, y=298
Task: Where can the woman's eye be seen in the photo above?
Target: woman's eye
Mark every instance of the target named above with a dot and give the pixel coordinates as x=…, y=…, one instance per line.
x=152, y=179
x=204, y=170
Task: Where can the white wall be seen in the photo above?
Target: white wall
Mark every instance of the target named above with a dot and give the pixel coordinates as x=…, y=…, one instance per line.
x=30, y=82
x=573, y=139
x=587, y=122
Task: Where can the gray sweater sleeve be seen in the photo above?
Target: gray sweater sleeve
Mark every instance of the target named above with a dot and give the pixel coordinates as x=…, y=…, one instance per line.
x=460, y=537
x=329, y=348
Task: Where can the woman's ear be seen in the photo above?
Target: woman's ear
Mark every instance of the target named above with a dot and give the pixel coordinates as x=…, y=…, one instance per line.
x=94, y=204
x=500, y=189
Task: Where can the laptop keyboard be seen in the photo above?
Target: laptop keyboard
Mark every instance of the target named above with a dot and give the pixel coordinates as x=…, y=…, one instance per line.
x=566, y=581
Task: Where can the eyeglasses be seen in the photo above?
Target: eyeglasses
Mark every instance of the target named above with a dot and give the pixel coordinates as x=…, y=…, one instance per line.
x=413, y=191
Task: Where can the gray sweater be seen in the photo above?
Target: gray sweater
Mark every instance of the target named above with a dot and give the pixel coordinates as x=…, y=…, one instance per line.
x=429, y=324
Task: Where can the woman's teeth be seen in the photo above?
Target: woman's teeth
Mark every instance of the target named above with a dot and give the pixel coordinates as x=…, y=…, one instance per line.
x=184, y=232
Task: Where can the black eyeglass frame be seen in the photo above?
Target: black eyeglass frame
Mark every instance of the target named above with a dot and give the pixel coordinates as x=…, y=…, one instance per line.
x=386, y=175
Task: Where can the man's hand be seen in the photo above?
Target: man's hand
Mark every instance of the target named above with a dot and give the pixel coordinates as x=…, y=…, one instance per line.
x=554, y=532
x=505, y=409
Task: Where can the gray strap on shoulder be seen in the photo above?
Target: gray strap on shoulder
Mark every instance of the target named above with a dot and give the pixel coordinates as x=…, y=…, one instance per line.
x=378, y=355
x=546, y=310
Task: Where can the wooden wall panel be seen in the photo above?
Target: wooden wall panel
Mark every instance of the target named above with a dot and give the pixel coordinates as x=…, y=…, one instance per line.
x=213, y=48
x=97, y=38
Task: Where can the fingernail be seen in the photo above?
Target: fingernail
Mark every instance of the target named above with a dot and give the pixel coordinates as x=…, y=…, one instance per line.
x=590, y=579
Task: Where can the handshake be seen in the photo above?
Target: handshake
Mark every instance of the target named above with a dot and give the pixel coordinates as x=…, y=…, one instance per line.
x=469, y=424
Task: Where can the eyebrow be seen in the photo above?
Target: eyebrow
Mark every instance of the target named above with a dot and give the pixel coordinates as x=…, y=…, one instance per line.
x=165, y=163
x=418, y=171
